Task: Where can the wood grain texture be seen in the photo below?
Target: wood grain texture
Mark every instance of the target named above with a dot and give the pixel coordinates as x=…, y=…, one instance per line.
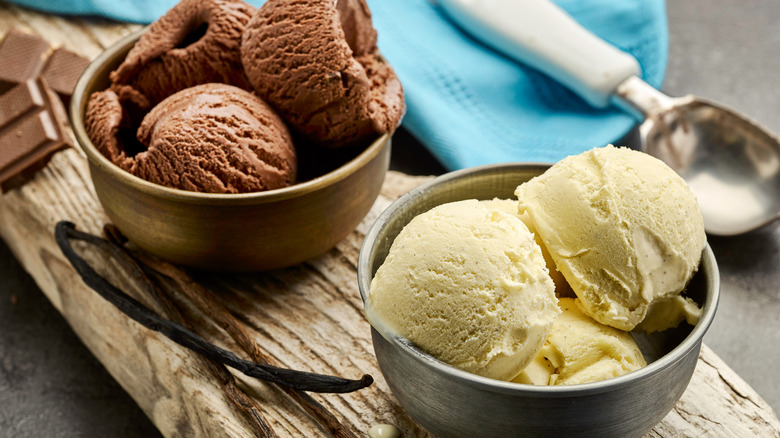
x=307, y=317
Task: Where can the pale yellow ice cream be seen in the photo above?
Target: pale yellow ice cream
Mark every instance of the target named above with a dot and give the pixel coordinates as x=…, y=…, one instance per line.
x=622, y=227
x=562, y=288
x=669, y=312
x=581, y=350
x=467, y=284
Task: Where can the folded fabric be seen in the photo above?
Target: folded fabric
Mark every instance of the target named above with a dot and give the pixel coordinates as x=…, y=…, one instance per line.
x=468, y=104
x=135, y=11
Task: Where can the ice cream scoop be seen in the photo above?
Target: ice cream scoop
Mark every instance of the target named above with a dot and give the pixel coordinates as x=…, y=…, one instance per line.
x=580, y=350
x=466, y=283
x=316, y=62
x=111, y=120
x=195, y=42
x=510, y=206
x=212, y=138
x=623, y=228
x=730, y=162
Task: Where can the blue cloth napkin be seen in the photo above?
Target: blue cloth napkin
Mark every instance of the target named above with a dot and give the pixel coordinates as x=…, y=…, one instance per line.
x=466, y=103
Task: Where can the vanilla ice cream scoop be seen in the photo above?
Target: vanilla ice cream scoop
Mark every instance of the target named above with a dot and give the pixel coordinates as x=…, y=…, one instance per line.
x=581, y=350
x=562, y=288
x=623, y=228
x=467, y=284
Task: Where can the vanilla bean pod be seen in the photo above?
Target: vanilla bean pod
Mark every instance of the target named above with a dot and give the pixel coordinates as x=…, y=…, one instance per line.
x=234, y=393
x=205, y=300
x=299, y=380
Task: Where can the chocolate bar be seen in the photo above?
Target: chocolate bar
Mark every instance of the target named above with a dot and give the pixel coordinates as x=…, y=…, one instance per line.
x=62, y=71
x=22, y=57
x=33, y=121
x=32, y=130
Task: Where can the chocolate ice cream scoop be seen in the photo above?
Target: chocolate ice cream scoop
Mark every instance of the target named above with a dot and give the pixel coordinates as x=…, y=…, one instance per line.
x=317, y=63
x=111, y=120
x=212, y=138
x=196, y=42
x=355, y=19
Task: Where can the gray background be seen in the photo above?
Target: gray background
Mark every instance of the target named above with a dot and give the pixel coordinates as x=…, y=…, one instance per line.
x=725, y=50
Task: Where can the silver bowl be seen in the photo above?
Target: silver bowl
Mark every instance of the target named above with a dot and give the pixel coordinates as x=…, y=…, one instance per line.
x=450, y=402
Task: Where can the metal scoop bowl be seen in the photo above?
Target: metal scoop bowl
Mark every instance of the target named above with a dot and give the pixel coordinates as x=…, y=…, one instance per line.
x=731, y=163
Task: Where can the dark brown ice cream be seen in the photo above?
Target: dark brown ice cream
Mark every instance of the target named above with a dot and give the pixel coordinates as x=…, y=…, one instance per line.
x=213, y=138
x=175, y=113
x=359, y=32
x=111, y=121
x=319, y=66
x=196, y=42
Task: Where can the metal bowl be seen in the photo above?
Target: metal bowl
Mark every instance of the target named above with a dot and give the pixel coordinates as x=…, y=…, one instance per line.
x=229, y=232
x=450, y=402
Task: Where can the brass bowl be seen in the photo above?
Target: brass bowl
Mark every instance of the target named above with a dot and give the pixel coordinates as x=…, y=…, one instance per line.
x=228, y=232
x=453, y=403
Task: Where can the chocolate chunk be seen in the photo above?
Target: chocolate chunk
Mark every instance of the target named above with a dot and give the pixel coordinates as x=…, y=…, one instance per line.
x=62, y=71
x=33, y=121
x=33, y=128
x=18, y=101
x=22, y=56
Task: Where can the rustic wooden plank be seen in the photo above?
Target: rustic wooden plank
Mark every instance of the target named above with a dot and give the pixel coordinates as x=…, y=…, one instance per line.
x=715, y=390
x=169, y=383
x=306, y=317
x=87, y=37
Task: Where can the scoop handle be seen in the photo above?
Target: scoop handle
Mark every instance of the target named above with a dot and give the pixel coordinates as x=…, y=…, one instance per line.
x=540, y=34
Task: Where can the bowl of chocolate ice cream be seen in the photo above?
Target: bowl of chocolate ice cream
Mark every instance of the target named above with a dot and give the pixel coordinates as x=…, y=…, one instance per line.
x=208, y=163
x=481, y=323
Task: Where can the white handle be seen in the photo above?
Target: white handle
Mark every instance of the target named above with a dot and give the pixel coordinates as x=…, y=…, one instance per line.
x=540, y=34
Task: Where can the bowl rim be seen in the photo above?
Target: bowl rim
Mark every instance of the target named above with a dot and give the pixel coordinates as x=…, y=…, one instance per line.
x=692, y=341
x=77, y=110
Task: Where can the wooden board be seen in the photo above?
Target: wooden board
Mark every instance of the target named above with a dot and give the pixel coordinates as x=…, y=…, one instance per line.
x=307, y=317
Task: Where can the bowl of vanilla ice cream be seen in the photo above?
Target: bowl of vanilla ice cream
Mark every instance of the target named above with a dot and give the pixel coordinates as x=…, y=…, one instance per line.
x=524, y=299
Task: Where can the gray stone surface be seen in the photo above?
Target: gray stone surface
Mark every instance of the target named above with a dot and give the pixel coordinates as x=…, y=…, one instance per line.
x=728, y=51
x=50, y=384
